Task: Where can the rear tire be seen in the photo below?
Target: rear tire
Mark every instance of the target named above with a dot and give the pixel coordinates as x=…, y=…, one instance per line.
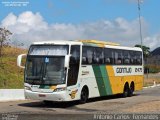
x=126, y=91
x=84, y=95
x=131, y=90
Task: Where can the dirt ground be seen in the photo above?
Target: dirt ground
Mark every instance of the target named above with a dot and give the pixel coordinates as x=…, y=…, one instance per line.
x=147, y=107
x=146, y=101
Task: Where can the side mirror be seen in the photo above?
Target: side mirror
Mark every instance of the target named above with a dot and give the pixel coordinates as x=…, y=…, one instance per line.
x=19, y=60
x=67, y=59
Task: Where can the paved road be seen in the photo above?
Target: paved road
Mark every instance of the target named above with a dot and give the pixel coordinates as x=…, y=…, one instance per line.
x=146, y=101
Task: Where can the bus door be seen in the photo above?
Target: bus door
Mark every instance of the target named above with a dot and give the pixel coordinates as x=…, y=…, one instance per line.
x=74, y=65
x=73, y=71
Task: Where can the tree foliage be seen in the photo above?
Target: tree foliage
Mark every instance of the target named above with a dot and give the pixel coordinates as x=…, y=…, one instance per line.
x=146, y=50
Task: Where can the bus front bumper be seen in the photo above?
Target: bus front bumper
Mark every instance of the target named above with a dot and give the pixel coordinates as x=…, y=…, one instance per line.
x=55, y=96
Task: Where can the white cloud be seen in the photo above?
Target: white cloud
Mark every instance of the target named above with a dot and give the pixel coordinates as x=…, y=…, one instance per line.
x=29, y=27
x=24, y=22
x=9, y=20
x=152, y=41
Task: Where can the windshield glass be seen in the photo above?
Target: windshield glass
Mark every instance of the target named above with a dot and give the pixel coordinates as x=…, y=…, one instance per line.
x=45, y=70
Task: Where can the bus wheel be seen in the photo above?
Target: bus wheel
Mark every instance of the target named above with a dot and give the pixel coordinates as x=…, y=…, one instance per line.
x=126, y=90
x=131, y=90
x=84, y=95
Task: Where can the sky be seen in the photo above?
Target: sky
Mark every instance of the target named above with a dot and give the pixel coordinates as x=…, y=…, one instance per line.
x=107, y=20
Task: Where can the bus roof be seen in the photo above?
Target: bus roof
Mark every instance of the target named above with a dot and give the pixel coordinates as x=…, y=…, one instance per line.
x=124, y=48
x=108, y=45
x=57, y=42
x=99, y=42
x=95, y=42
x=87, y=43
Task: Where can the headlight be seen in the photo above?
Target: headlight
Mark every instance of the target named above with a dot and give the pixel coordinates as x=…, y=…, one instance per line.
x=27, y=88
x=60, y=89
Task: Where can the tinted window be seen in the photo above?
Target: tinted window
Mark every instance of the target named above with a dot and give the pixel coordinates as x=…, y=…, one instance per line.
x=126, y=57
x=133, y=57
x=98, y=56
x=138, y=58
x=118, y=57
x=95, y=55
x=109, y=56
x=75, y=54
x=87, y=55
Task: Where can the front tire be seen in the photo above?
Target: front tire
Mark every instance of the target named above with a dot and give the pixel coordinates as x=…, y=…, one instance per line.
x=84, y=95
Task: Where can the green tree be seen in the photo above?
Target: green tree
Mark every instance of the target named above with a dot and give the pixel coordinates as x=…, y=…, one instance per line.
x=146, y=50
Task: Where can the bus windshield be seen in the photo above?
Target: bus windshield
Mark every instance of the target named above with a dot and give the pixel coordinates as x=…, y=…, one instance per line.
x=45, y=64
x=45, y=70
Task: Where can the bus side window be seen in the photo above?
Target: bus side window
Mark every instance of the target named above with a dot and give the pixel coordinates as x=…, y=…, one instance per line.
x=138, y=58
x=87, y=55
x=126, y=55
x=98, y=56
x=118, y=57
x=90, y=55
x=84, y=55
x=133, y=57
x=75, y=54
x=108, y=53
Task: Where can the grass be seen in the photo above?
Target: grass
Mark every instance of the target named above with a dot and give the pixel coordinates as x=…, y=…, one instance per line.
x=11, y=76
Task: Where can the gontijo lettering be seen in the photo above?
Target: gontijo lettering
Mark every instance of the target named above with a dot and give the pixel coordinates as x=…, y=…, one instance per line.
x=124, y=70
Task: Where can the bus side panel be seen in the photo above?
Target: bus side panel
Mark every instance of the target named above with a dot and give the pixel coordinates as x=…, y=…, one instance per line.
x=115, y=81
x=87, y=77
x=118, y=82
x=102, y=79
x=139, y=82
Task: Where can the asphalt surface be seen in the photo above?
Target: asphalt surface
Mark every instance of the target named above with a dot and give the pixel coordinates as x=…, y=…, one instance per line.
x=146, y=101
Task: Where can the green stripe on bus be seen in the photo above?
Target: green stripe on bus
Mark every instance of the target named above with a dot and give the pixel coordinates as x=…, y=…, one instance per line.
x=102, y=80
x=106, y=79
x=99, y=80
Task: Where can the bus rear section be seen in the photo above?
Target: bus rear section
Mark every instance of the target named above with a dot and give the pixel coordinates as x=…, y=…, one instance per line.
x=111, y=70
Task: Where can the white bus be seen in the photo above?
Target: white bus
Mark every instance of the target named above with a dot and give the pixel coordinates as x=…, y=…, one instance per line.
x=78, y=70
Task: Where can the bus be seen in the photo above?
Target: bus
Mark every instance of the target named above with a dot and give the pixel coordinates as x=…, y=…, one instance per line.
x=79, y=70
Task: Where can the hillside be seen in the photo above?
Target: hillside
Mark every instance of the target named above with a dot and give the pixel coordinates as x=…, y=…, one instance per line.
x=156, y=52
x=11, y=76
